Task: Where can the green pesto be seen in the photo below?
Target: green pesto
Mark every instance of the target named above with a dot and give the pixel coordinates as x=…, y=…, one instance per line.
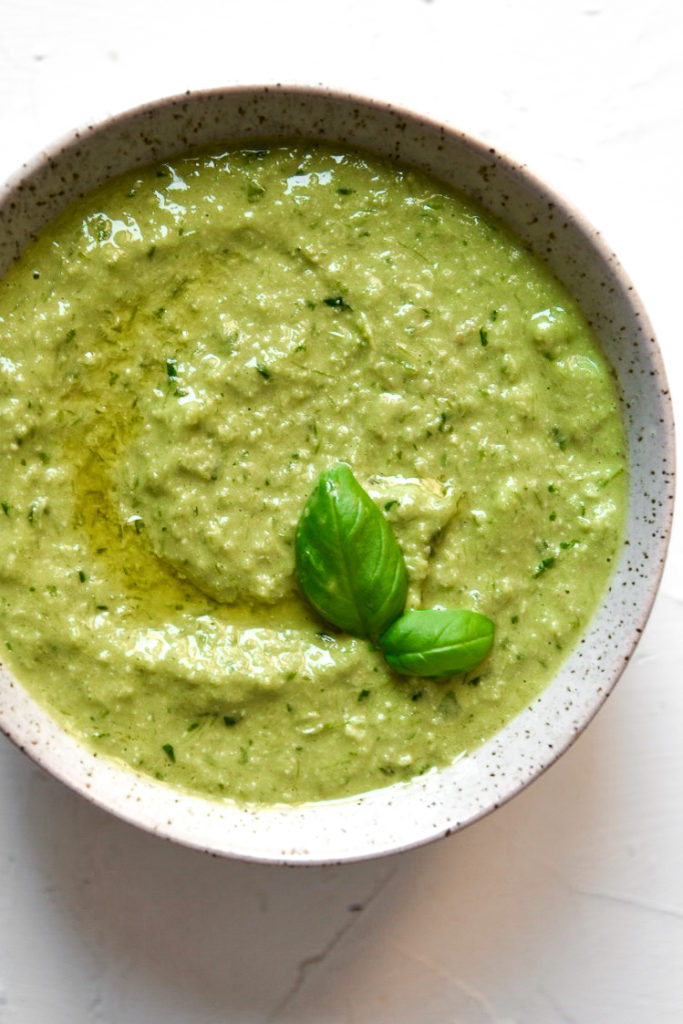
x=181, y=355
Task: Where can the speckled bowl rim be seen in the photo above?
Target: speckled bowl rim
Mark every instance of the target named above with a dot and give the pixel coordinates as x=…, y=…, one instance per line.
x=408, y=814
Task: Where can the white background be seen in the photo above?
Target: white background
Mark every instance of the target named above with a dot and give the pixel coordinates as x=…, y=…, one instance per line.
x=567, y=904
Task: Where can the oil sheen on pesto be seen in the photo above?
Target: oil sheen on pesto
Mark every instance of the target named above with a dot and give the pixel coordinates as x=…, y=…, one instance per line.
x=182, y=355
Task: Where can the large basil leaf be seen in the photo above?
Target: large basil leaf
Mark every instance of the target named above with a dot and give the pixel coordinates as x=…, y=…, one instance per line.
x=437, y=642
x=348, y=560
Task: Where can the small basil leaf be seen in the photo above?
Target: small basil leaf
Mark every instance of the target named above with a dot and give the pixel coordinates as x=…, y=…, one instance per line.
x=437, y=643
x=349, y=564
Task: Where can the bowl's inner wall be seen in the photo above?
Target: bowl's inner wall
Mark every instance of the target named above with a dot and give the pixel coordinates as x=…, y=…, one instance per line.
x=390, y=819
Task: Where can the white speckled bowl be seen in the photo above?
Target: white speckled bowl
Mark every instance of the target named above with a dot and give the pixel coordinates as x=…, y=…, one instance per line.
x=411, y=813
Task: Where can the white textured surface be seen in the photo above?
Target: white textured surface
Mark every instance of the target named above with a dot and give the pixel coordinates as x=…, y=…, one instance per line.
x=567, y=904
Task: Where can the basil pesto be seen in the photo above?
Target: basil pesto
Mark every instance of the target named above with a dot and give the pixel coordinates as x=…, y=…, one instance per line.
x=182, y=354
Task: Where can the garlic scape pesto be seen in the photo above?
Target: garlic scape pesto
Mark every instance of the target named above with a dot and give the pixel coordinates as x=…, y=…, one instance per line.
x=182, y=354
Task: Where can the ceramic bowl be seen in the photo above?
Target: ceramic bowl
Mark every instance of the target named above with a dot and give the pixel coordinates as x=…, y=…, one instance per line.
x=435, y=805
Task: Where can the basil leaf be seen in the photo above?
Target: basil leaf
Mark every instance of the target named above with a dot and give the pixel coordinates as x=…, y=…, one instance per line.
x=437, y=643
x=348, y=560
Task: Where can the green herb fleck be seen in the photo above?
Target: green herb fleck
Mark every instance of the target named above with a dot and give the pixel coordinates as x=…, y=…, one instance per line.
x=483, y=336
x=391, y=504
x=406, y=365
x=103, y=229
x=364, y=694
x=5, y=508
x=603, y=483
x=559, y=438
x=82, y=576
x=159, y=313
x=264, y=371
x=254, y=192
x=171, y=368
x=229, y=720
x=544, y=565
x=337, y=302
x=169, y=751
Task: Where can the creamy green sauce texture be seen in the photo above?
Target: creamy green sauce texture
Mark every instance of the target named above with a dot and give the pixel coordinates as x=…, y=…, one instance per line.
x=181, y=355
